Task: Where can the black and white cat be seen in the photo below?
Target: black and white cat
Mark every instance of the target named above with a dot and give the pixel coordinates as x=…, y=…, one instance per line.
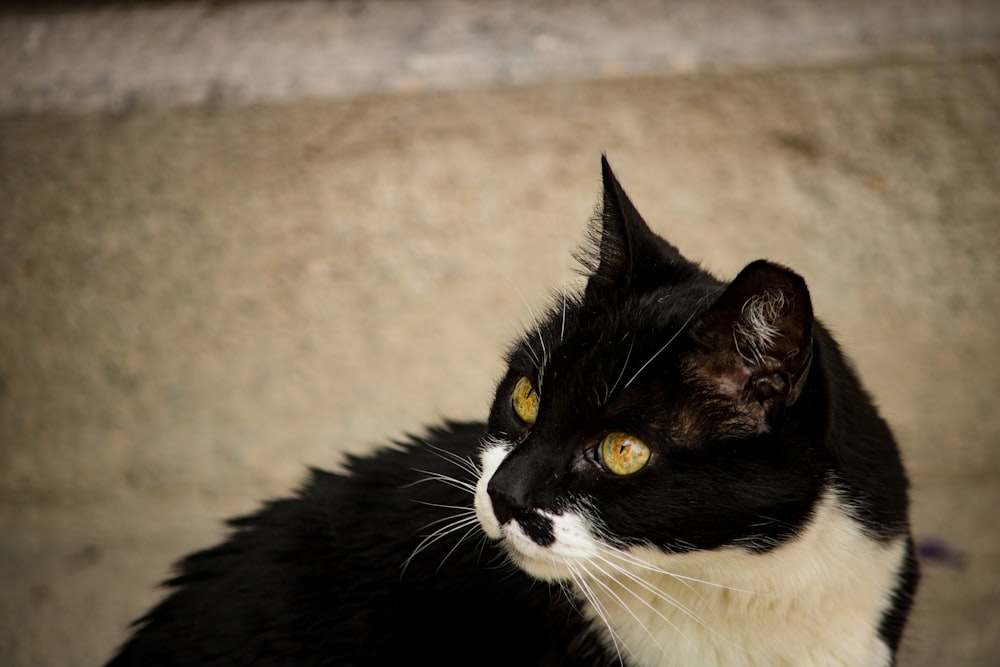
x=675, y=471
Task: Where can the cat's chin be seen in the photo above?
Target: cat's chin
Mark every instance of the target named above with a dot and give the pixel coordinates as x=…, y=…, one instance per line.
x=537, y=561
x=541, y=562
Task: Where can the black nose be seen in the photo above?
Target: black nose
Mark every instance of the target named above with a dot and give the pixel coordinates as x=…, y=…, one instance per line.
x=518, y=493
x=510, y=506
x=506, y=504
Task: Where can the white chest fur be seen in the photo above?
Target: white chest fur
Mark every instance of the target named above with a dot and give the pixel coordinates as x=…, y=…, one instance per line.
x=817, y=600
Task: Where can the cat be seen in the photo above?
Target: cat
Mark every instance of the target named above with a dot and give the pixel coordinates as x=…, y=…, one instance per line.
x=675, y=471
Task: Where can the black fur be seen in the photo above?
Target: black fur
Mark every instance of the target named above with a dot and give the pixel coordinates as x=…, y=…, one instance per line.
x=317, y=580
x=749, y=409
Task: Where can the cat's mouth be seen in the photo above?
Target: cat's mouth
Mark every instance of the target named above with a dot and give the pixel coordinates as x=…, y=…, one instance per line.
x=543, y=544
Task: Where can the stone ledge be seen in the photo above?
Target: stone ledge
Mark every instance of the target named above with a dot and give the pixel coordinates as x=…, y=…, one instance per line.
x=116, y=56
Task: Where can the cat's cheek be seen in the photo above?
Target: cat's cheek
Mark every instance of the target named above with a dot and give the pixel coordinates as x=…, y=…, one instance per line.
x=538, y=561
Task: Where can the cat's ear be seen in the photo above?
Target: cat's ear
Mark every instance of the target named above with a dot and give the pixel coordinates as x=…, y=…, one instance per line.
x=754, y=344
x=627, y=253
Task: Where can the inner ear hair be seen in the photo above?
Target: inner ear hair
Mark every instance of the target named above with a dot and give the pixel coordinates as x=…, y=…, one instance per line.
x=761, y=338
x=756, y=340
x=757, y=331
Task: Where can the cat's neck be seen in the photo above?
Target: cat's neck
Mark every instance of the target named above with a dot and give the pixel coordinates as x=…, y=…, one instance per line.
x=817, y=600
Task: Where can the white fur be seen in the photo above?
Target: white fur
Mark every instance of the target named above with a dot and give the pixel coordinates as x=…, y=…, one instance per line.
x=816, y=600
x=756, y=325
x=490, y=458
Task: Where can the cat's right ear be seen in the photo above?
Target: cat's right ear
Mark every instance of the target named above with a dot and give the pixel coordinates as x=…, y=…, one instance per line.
x=627, y=254
x=754, y=344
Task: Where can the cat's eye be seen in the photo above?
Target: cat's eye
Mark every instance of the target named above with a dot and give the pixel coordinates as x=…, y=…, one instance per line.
x=624, y=454
x=525, y=401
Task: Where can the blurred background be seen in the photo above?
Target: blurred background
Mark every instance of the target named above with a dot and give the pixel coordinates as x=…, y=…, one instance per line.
x=240, y=238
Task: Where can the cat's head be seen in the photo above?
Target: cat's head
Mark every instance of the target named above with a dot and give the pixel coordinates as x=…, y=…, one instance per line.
x=659, y=408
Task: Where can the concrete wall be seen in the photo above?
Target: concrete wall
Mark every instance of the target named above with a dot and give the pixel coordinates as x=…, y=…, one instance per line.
x=203, y=292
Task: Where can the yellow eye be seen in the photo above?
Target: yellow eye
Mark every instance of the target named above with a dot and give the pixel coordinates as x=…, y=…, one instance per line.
x=623, y=455
x=525, y=401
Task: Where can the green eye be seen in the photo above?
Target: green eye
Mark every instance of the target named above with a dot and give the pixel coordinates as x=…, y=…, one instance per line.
x=623, y=454
x=525, y=401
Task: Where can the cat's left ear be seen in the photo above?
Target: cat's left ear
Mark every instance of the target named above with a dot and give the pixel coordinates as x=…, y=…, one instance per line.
x=628, y=254
x=755, y=342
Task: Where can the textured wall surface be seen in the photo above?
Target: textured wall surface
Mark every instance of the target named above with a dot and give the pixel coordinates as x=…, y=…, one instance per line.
x=198, y=301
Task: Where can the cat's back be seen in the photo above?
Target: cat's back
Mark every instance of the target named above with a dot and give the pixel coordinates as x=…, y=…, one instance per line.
x=348, y=571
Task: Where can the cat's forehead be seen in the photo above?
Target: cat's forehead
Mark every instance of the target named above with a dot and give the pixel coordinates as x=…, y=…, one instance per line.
x=636, y=319
x=588, y=343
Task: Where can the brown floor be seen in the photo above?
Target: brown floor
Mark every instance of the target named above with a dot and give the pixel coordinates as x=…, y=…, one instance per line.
x=196, y=303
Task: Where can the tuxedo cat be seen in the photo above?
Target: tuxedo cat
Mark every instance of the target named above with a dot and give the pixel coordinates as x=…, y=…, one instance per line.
x=675, y=471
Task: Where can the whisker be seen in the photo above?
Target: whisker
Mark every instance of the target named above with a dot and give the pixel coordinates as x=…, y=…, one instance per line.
x=628, y=609
x=464, y=537
x=587, y=593
x=567, y=590
x=680, y=329
x=562, y=329
x=463, y=519
x=534, y=356
x=634, y=560
x=624, y=366
x=463, y=462
x=607, y=393
x=662, y=595
x=462, y=508
x=539, y=361
x=446, y=479
x=672, y=601
x=439, y=534
x=481, y=548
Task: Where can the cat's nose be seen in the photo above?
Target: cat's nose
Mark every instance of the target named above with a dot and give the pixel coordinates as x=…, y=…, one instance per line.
x=523, y=483
x=506, y=504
